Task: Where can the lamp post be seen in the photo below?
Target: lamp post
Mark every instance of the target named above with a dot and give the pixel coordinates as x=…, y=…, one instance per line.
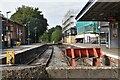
x=7, y=13
x=35, y=33
x=28, y=32
x=8, y=38
x=99, y=33
x=1, y=34
x=35, y=28
x=0, y=13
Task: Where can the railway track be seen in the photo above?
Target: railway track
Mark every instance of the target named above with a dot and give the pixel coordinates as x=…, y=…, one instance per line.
x=43, y=58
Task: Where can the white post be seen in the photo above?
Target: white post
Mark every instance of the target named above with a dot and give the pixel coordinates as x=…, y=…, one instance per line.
x=28, y=33
x=8, y=34
x=0, y=34
x=99, y=28
x=35, y=33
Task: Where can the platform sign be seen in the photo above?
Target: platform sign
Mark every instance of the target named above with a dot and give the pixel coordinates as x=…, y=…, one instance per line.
x=10, y=57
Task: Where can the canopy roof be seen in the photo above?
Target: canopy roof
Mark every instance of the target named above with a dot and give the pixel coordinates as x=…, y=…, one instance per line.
x=100, y=11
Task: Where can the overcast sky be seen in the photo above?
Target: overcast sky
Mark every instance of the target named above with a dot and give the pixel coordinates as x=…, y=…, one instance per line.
x=53, y=10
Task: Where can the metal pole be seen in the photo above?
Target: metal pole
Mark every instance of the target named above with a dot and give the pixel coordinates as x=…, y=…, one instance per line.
x=0, y=34
x=7, y=14
x=28, y=33
x=35, y=33
x=8, y=43
x=0, y=13
x=99, y=27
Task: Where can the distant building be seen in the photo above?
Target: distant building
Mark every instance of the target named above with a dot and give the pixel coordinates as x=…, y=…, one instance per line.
x=12, y=32
x=86, y=31
x=89, y=32
x=68, y=27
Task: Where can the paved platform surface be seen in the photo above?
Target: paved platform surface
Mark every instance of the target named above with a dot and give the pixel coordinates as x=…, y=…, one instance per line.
x=114, y=53
x=19, y=49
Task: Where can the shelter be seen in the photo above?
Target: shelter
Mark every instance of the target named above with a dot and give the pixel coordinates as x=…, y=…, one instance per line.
x=95, y=10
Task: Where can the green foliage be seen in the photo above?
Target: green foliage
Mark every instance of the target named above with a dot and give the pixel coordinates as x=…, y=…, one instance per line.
x=56, y=36
x=53, y=34
x=45, y=37
x=50, y=31
x=26, y=14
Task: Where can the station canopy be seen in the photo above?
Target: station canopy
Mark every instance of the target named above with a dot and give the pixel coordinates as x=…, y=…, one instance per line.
x=95, y=10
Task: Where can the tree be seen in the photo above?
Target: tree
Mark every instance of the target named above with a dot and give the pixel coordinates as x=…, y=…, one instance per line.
x=45, y=37
x=50, y=31
x=26, y=14
x=48, y=34
x=57, y=34
x=53, y=34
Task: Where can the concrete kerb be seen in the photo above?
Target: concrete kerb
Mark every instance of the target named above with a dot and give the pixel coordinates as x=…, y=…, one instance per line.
x=21, y=51
x=82, y=72
x=24, y=72
x=39, y=71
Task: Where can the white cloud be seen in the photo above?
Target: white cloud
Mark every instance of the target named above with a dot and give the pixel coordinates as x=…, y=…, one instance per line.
x=44, y=0
x=53, y=11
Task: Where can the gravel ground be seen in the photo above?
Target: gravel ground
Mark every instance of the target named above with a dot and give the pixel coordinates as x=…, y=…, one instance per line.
x=58, y=59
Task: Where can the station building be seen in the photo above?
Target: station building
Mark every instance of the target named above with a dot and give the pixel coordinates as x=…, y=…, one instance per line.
x=89, y=32
x=83, y=31
x=86, y=32
x=68, y=27
x=11, y=32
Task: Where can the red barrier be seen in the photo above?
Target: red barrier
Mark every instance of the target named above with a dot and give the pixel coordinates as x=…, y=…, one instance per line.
x=68, y=52
x=95, y=53
x=99, y=52
x=73, y=63
x=84, y=52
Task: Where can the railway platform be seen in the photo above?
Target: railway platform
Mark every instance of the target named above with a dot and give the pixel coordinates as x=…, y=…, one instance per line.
x=19, y=49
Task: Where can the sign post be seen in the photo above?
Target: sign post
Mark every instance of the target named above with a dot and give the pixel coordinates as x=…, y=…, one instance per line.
x=10, y=57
